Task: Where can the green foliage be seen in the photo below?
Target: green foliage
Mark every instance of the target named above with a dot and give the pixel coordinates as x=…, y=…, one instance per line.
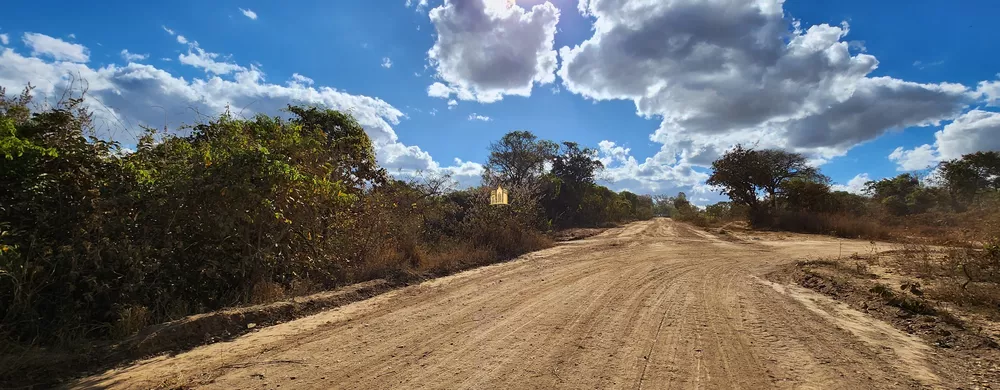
x=567, y=194
x=903, y=194
x=801, y=194
x=725, y=211
x=734, y=173
x=601, y=207
x=970, y=176
x=774, y=169
x=97, y=243
x=518, y=159
x=572, y=198
x=778, y=190
x=575, y=166
x=684, y=210
x=182, y=225
x=746, y=174
x=847, y=203
x=663, y=206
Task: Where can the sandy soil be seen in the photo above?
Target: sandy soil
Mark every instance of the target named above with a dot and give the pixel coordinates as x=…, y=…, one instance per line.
x=654, y=304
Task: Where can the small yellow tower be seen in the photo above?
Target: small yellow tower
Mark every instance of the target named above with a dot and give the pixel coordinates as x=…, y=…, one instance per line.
x=499, y=196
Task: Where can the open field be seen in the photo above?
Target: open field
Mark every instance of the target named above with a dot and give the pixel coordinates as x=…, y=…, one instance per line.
x=653, y=304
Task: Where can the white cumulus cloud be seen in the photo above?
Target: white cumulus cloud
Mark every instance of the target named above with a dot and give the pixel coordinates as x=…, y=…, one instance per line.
x=199, y=58
x=485, y=50
x=660, y=174
x=55, y=48
x=123, y=97
x=718, y=72
x=918, y=158
x=975, y=131
x=855, y=186
x=990, y=91
x=438, y=90
x=133, y=57
x=303, y=80
x=715, y=73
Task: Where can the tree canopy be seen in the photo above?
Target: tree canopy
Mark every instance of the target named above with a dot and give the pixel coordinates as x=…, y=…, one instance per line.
x=967, y=177
x=518, y=159
x=746, y=175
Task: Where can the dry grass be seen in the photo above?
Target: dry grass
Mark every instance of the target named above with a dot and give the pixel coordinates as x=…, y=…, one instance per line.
x=131, y=320
x=839, y=225
x=907, y=303
x=972, y=227
x=965, y=277
x=453, y=258
x=265, y=292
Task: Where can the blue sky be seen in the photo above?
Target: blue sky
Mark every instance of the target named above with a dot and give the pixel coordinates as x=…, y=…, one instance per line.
x=866, y=89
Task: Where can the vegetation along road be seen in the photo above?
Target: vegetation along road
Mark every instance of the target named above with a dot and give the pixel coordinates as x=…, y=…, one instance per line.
x=653, y=304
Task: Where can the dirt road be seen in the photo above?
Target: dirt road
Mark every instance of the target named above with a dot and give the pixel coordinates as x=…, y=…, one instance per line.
x=655, y=304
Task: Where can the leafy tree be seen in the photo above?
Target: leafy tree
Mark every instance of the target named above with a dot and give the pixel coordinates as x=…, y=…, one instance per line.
x=576, y=166
x=723, y=211
x=775, y=168
x=802, y=194
x=518, y=159
x=663, y=206
x=846, y=202
x=640, y=206
x=56, y=193
x=719, y=210
x=735, y=173
x=573, y=172
x=347, y=147
x=968, y=176
x=744, y=174
x=901, y=195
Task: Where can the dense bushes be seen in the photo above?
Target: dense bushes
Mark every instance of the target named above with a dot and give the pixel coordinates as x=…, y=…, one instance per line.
x=97, y=241
x=567, y=193
x=182, y=225
x=776, y=189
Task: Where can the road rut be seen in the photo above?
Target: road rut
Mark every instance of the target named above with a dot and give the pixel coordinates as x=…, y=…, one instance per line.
x=651, y=305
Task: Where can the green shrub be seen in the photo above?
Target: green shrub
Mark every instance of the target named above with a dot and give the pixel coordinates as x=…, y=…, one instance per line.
x=97, y=242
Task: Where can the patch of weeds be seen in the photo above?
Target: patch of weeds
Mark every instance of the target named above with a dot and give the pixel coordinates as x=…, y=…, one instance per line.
x=817, y=262
x=909, y=304
x=859, y=269
x=912, y=286
x=882, y=291
x=913, y=305
x=953, y=320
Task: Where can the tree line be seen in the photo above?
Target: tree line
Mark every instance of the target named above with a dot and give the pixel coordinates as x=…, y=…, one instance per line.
x=97, y=241
x=779, y=189
x=561, y=178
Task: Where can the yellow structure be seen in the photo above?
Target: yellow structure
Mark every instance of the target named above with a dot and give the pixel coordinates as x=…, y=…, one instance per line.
x=499, y=196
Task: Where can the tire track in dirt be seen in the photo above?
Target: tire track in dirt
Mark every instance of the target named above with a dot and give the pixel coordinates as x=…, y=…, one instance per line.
x=654, y=304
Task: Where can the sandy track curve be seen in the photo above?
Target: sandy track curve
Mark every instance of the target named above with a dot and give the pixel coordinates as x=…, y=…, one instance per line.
x=655, y=304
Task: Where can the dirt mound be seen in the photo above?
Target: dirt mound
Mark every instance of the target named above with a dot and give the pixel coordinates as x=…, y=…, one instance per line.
x=221, y=325
x=40, y=368
x=577, y=233
x=905, y=309
x=738, y=226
